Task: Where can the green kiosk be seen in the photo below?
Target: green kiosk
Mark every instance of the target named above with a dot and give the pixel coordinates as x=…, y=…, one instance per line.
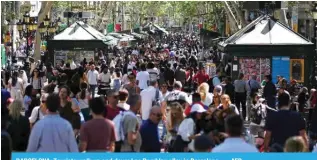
x=266, y=46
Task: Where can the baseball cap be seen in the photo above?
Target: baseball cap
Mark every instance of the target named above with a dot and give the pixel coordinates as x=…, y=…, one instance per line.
x=178, y=84
x=197, y=108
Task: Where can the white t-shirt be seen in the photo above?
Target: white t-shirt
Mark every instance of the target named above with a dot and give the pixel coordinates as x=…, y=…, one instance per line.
x=187, y=129
x=35, y=114
x=143, y=77
x=92, y=77
x=166, y=94
x=147, y=97
x=154, y=74
x=105, y=77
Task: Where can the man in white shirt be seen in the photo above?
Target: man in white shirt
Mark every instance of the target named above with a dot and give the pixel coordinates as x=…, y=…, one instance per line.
x=235, y=142
x=153, y=72
x=92, y=79
x=149, y=95
x=143, y=78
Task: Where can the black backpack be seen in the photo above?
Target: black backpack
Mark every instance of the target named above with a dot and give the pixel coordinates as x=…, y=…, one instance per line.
x=211, y=85
x=256, y=114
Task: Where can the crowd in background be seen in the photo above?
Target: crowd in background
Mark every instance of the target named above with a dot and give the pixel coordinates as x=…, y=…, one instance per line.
x=153, y=97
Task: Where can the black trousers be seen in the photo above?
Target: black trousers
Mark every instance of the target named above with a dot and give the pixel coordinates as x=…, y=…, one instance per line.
x=117, y=147
x=240, y=100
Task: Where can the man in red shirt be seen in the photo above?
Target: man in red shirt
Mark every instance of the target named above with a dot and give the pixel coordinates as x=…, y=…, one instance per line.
x=111, y=107
x=201, y=76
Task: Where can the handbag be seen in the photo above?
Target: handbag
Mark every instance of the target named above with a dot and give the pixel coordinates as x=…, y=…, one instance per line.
x=179, y=144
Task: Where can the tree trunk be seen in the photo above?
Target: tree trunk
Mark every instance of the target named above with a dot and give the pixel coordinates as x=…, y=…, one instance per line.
x=232, y=21
x=98, y=23
x=45, y=8
x=239, y=14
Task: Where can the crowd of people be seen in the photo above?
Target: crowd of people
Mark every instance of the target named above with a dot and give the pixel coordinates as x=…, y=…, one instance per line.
x=156, y=98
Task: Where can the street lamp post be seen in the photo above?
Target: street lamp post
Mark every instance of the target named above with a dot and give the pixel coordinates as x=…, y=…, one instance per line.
x=25, y=28
x=47, y=29
x=314, y=75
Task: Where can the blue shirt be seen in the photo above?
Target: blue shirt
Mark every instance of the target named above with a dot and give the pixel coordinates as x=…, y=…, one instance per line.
x=216, y=81
x=26, y=100
x=150, y=137
x=52, y=134
x=235, y=145
x=5, y=95
x=283, y=125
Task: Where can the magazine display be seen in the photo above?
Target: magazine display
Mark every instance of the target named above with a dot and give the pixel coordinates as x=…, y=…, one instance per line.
x=255, y=66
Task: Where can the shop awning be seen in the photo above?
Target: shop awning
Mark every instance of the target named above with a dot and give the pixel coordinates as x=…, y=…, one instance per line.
x=160, y=28
x=79, y=31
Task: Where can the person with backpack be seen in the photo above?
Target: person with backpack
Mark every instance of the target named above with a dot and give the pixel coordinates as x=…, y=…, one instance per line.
x=257, y=115
x=98, y=134
x=153, y=71
x=151, y=96
x=128, y=138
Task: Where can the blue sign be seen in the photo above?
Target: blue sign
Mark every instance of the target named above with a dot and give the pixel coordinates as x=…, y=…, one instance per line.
x=280, y=66
x=164, y=156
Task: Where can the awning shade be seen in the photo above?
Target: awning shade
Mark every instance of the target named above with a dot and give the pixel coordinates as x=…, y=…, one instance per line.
x=79, y=31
